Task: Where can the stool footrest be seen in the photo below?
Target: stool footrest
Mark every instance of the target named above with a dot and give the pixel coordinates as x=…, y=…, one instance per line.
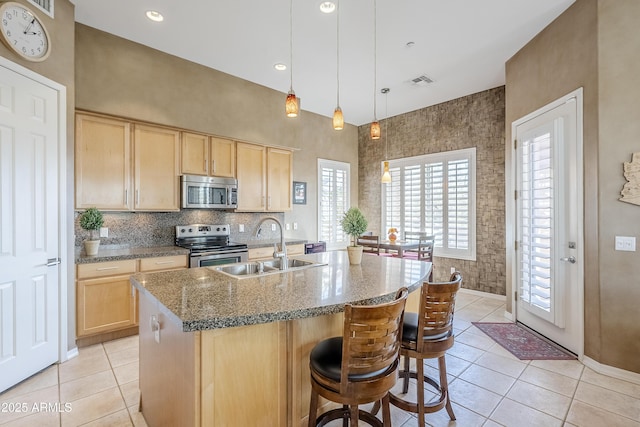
x=413, y=407
x=343, y=413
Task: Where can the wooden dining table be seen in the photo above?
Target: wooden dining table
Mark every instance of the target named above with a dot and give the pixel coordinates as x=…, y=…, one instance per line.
x=399, y=245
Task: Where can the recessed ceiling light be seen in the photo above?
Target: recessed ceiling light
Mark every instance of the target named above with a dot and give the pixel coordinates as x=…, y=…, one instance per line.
x=280, y=67
x=327, y=7
x=154, y=15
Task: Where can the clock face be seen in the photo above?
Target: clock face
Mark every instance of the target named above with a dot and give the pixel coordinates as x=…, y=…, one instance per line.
x=23, y=32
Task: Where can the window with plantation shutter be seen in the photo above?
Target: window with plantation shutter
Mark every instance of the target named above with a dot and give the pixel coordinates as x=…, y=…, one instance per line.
x=434, y=193
x=333, y=202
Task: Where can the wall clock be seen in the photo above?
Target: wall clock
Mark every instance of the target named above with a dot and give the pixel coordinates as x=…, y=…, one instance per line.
x=23, y=32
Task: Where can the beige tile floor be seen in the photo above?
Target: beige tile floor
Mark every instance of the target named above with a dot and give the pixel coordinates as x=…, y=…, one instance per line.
x=489, y=387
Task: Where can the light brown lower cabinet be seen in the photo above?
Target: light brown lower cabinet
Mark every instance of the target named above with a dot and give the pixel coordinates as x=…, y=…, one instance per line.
x=106, y=301
x=259, y=254
x=254, y=375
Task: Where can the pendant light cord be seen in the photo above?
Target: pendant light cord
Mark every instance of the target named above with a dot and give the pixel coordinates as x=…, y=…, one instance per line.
x=291, y=45
x=338, y=53
x=375, y=62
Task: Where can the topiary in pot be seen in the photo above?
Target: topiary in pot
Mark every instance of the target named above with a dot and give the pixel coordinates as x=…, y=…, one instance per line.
x=354, y=224
x=92, y=220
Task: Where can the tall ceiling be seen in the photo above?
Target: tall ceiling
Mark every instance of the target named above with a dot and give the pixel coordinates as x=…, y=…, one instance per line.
x=462, y=45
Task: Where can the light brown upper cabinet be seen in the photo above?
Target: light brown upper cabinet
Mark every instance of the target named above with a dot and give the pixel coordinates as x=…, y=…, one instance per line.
x=251, y=167
x=279, y=179
x=264, y=178
x=208, y=155
x=156, y=153
x=122, y=166
x=103, y=163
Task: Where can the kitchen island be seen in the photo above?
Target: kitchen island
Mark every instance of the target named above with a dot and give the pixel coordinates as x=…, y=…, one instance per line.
x=220, y=351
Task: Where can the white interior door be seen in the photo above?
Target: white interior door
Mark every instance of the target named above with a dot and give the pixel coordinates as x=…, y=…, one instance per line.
x=29, y=227
x=549, y=278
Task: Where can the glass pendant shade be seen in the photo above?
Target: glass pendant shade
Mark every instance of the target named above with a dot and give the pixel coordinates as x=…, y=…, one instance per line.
x=386, y=176
x=291, y=105
x=338, y=119
x=375, y=130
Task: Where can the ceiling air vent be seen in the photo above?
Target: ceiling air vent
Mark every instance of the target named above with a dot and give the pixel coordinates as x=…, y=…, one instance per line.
x=422, y=80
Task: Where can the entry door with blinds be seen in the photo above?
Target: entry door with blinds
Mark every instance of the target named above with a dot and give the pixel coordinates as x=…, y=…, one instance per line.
x=548, y=210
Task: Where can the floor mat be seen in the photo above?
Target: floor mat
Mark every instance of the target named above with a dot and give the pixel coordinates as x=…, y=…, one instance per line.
x=522, y=343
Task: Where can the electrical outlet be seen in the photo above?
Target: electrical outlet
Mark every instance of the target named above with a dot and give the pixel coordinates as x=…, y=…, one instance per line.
x=295, y=225
x=273, y=227
x=624, y=243
x=287, y=226
x=241, y=228
x=453, y=270
x=104, y=232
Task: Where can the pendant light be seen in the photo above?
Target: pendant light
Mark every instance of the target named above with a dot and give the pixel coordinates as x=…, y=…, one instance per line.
x=386, y=176
x=291, y=106
x=338, y=118
x=375, y=126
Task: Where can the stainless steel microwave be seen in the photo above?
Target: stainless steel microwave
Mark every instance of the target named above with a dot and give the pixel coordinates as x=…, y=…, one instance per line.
x=205, y=192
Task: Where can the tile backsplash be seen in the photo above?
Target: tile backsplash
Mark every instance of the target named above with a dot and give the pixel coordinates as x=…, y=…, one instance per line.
x=129, y=229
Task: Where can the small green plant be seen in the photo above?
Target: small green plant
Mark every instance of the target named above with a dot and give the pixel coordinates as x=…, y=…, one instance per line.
x=91, y=220
x=354, y=224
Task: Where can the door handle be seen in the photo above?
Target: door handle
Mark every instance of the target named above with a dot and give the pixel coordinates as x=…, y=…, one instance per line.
x=570, y=259
x=53, y=261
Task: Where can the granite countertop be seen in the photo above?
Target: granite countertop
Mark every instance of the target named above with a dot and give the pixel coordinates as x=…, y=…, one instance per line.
x=202, y=298
x=116, y=254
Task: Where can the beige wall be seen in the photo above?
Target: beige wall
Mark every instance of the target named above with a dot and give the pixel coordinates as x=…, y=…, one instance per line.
x=59, y=67
x=594, y=45
x=119, y=77
x=619, y=137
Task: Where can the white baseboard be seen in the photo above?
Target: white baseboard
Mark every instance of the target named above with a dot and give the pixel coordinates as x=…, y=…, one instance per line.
x=483, y=294
x=610, y=371
x=72, y=353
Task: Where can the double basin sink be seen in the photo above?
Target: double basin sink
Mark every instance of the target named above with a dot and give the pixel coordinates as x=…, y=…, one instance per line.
x=258, y=268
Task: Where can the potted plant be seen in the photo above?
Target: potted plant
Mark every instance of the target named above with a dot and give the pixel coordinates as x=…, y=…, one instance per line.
x=354, y=224
x=92, y=220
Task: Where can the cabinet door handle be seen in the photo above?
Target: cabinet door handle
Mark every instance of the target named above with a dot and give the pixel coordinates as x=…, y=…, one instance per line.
x=269, y=206
x=137, y=196
x=205, y=165
x=213, y=166
x=126, y=197
x=106, y=268
x=164, y=262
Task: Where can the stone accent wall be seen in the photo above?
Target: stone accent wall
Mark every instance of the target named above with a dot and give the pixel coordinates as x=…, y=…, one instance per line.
x=476, y=120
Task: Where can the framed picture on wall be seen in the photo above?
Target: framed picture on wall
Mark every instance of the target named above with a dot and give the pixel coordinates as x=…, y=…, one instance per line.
x=299, y=193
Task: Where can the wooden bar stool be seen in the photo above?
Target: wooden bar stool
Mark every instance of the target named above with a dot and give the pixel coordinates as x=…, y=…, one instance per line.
x=361, y=366
x=428, y=334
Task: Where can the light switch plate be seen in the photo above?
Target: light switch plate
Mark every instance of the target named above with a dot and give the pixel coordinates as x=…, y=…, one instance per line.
x=287, y=226
x=625, y=243
x=241, y=228
x=104, y=231
x=295, y=225
x=273, y=227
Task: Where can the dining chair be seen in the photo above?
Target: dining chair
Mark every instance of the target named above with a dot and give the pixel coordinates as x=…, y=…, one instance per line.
x=370, y=243
x=361, y=366
x=428, y=334
x=424, y=252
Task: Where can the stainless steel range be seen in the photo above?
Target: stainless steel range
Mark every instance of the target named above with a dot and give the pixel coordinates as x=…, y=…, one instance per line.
x=209, y=245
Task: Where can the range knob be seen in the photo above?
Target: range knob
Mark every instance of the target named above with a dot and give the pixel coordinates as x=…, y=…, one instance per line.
x=191, y=230
x=218, y=229
x=182, y=230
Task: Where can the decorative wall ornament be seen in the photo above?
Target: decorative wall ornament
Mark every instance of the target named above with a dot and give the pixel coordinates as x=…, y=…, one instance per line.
x=631, y=190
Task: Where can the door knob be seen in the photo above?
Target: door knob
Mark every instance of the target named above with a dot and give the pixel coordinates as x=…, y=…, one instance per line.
x=570, y=259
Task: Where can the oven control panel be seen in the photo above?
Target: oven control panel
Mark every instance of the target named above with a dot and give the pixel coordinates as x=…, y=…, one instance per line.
x=202, y=230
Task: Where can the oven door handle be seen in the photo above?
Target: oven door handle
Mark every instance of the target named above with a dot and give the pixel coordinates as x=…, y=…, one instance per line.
x=223, y=253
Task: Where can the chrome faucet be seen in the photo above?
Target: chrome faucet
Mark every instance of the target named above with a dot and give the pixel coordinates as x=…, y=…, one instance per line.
x=282, y=254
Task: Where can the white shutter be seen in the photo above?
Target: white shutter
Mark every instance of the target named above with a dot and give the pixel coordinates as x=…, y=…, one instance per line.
x=434, y=193
x=434, y=201
x=458, y=196
x=333, y=201
x=535, y=209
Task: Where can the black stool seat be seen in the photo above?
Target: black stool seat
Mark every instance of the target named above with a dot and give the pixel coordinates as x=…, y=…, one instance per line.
x=326, y=359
